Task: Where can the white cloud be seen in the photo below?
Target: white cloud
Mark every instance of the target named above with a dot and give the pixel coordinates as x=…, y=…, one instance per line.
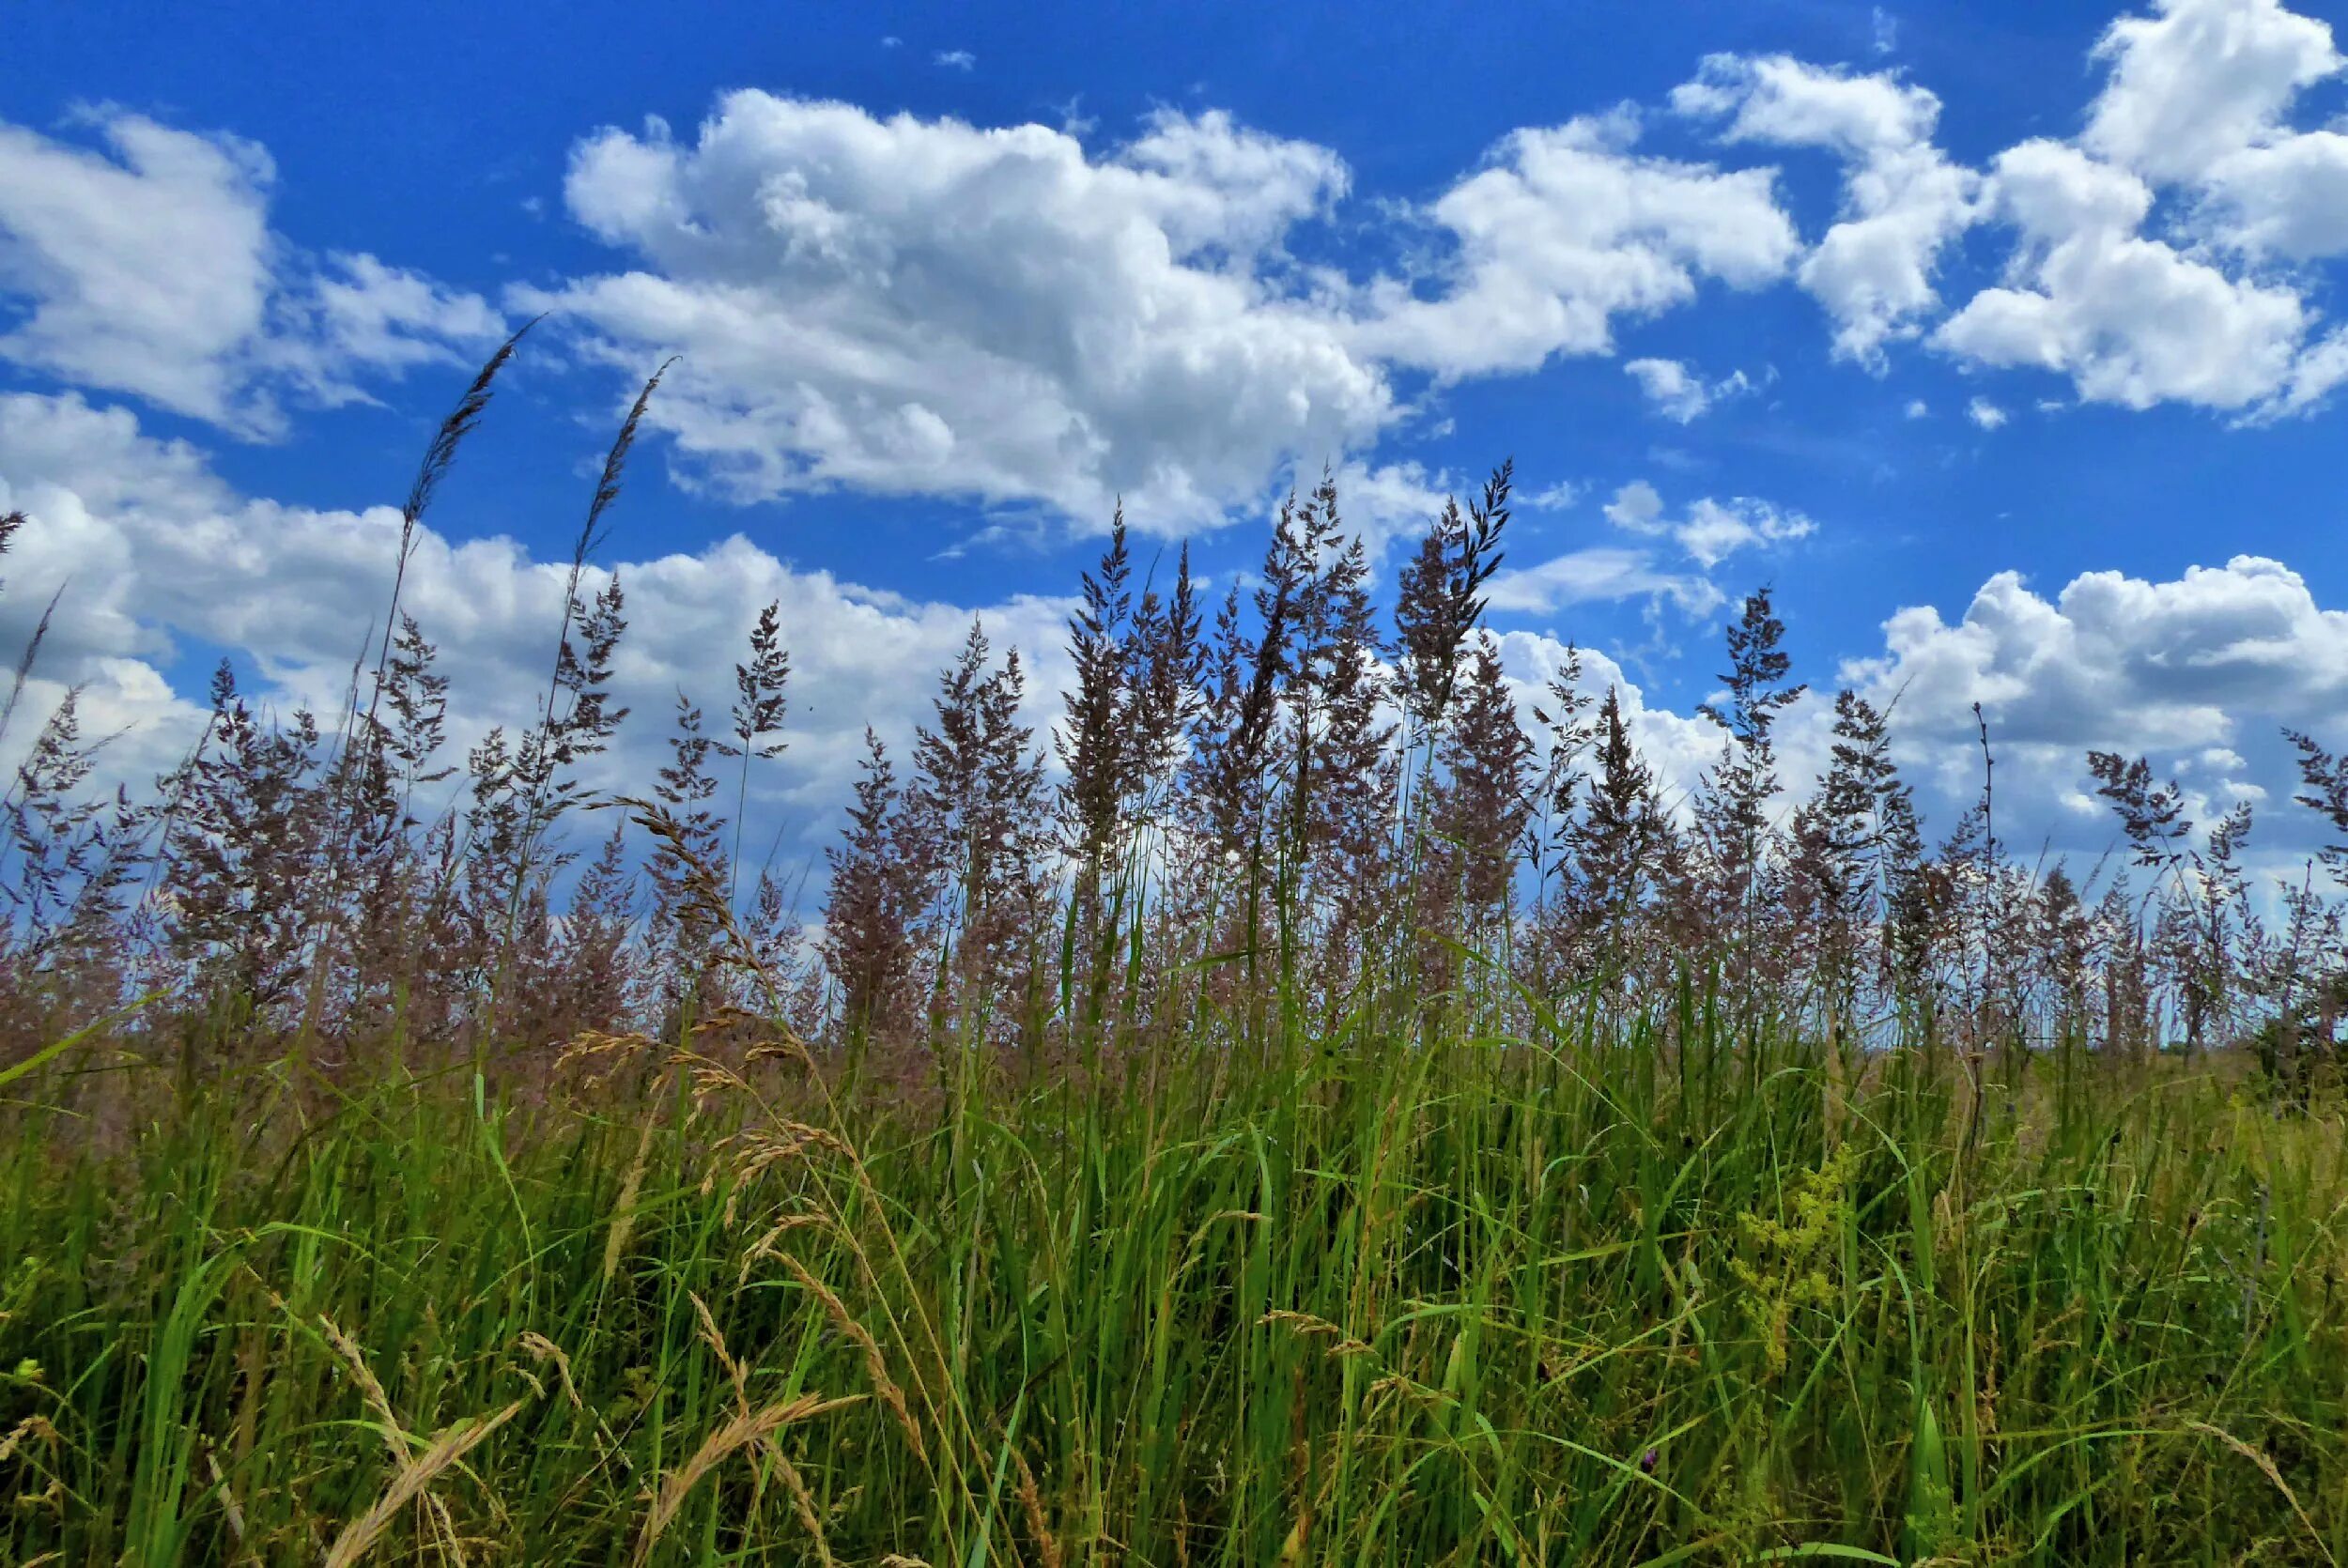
x=147, y=266
x=1027, y=320
x=1918, y=408
x=956, y=59
x=1382, y=503
x=2200, y=80
x=1390, y=504
x=913, y=306
x=1680, y=392
x=1676, y=392
x=148, y=269
x=367, y=313
x=1903, y=201
x=1595, y=573
x=2198, y=670
x=925, y=307
x=2201, y=669
x=2322, y=366
x=1636, y=507
x=2289, y=198
x=2132, y=296
x=2196, y=97
x=2131, y=320
x=153, y=548
x=156, y=549
x=1563, y=230
x=1708, y=533
x=1711, y=531
x=1677, y=747
x=1985, y=414
x=2134, y=300
x=2111, y=655
x=1714, y=530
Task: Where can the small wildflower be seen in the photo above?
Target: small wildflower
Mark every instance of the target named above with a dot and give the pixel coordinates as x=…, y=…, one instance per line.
x=1648, y=1461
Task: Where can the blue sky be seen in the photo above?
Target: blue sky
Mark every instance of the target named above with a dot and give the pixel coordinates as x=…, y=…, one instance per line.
x=1990, y=335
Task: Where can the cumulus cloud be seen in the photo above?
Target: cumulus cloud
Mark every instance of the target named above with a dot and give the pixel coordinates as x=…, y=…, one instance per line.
x=155, y=551
x=2131, y=320
x=146, y=265
x=1003, y=315
x=1565, y=229
x=2197, y=98
x=1904, y=202
x=1636, y=507
x=912, y=306
x=1025, y=318
x=2200, y=80
x=2198, y=672
x=1714, y=530
x=1386, y=503
x=2288, y=198
x=1040, y=323
x=1985, y=414
x=2136, y=272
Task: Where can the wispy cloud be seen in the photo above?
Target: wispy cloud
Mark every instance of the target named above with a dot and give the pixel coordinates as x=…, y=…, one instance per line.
x=1709, y=530
x=1680, y=392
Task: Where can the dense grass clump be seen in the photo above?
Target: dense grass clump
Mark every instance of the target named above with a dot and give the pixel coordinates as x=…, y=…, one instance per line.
x=1394, y=1291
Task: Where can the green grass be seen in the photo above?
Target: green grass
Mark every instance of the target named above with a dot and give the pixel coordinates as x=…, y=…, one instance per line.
x=1378, y=1294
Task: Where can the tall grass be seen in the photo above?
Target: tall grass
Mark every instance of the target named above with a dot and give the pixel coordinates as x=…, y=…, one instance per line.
x=1401, y=1291
x=1330, y=1124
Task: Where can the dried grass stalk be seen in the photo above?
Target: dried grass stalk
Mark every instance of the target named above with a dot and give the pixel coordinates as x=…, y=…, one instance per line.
x=750, y=1426
x=414, y=1477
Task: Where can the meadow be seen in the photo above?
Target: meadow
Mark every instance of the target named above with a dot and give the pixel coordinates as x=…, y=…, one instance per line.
x=1378, y=1294
x=1332, y=1110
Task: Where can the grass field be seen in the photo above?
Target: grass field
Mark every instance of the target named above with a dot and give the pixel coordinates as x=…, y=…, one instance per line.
x=1324, y=1121
x=1388, y=1292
